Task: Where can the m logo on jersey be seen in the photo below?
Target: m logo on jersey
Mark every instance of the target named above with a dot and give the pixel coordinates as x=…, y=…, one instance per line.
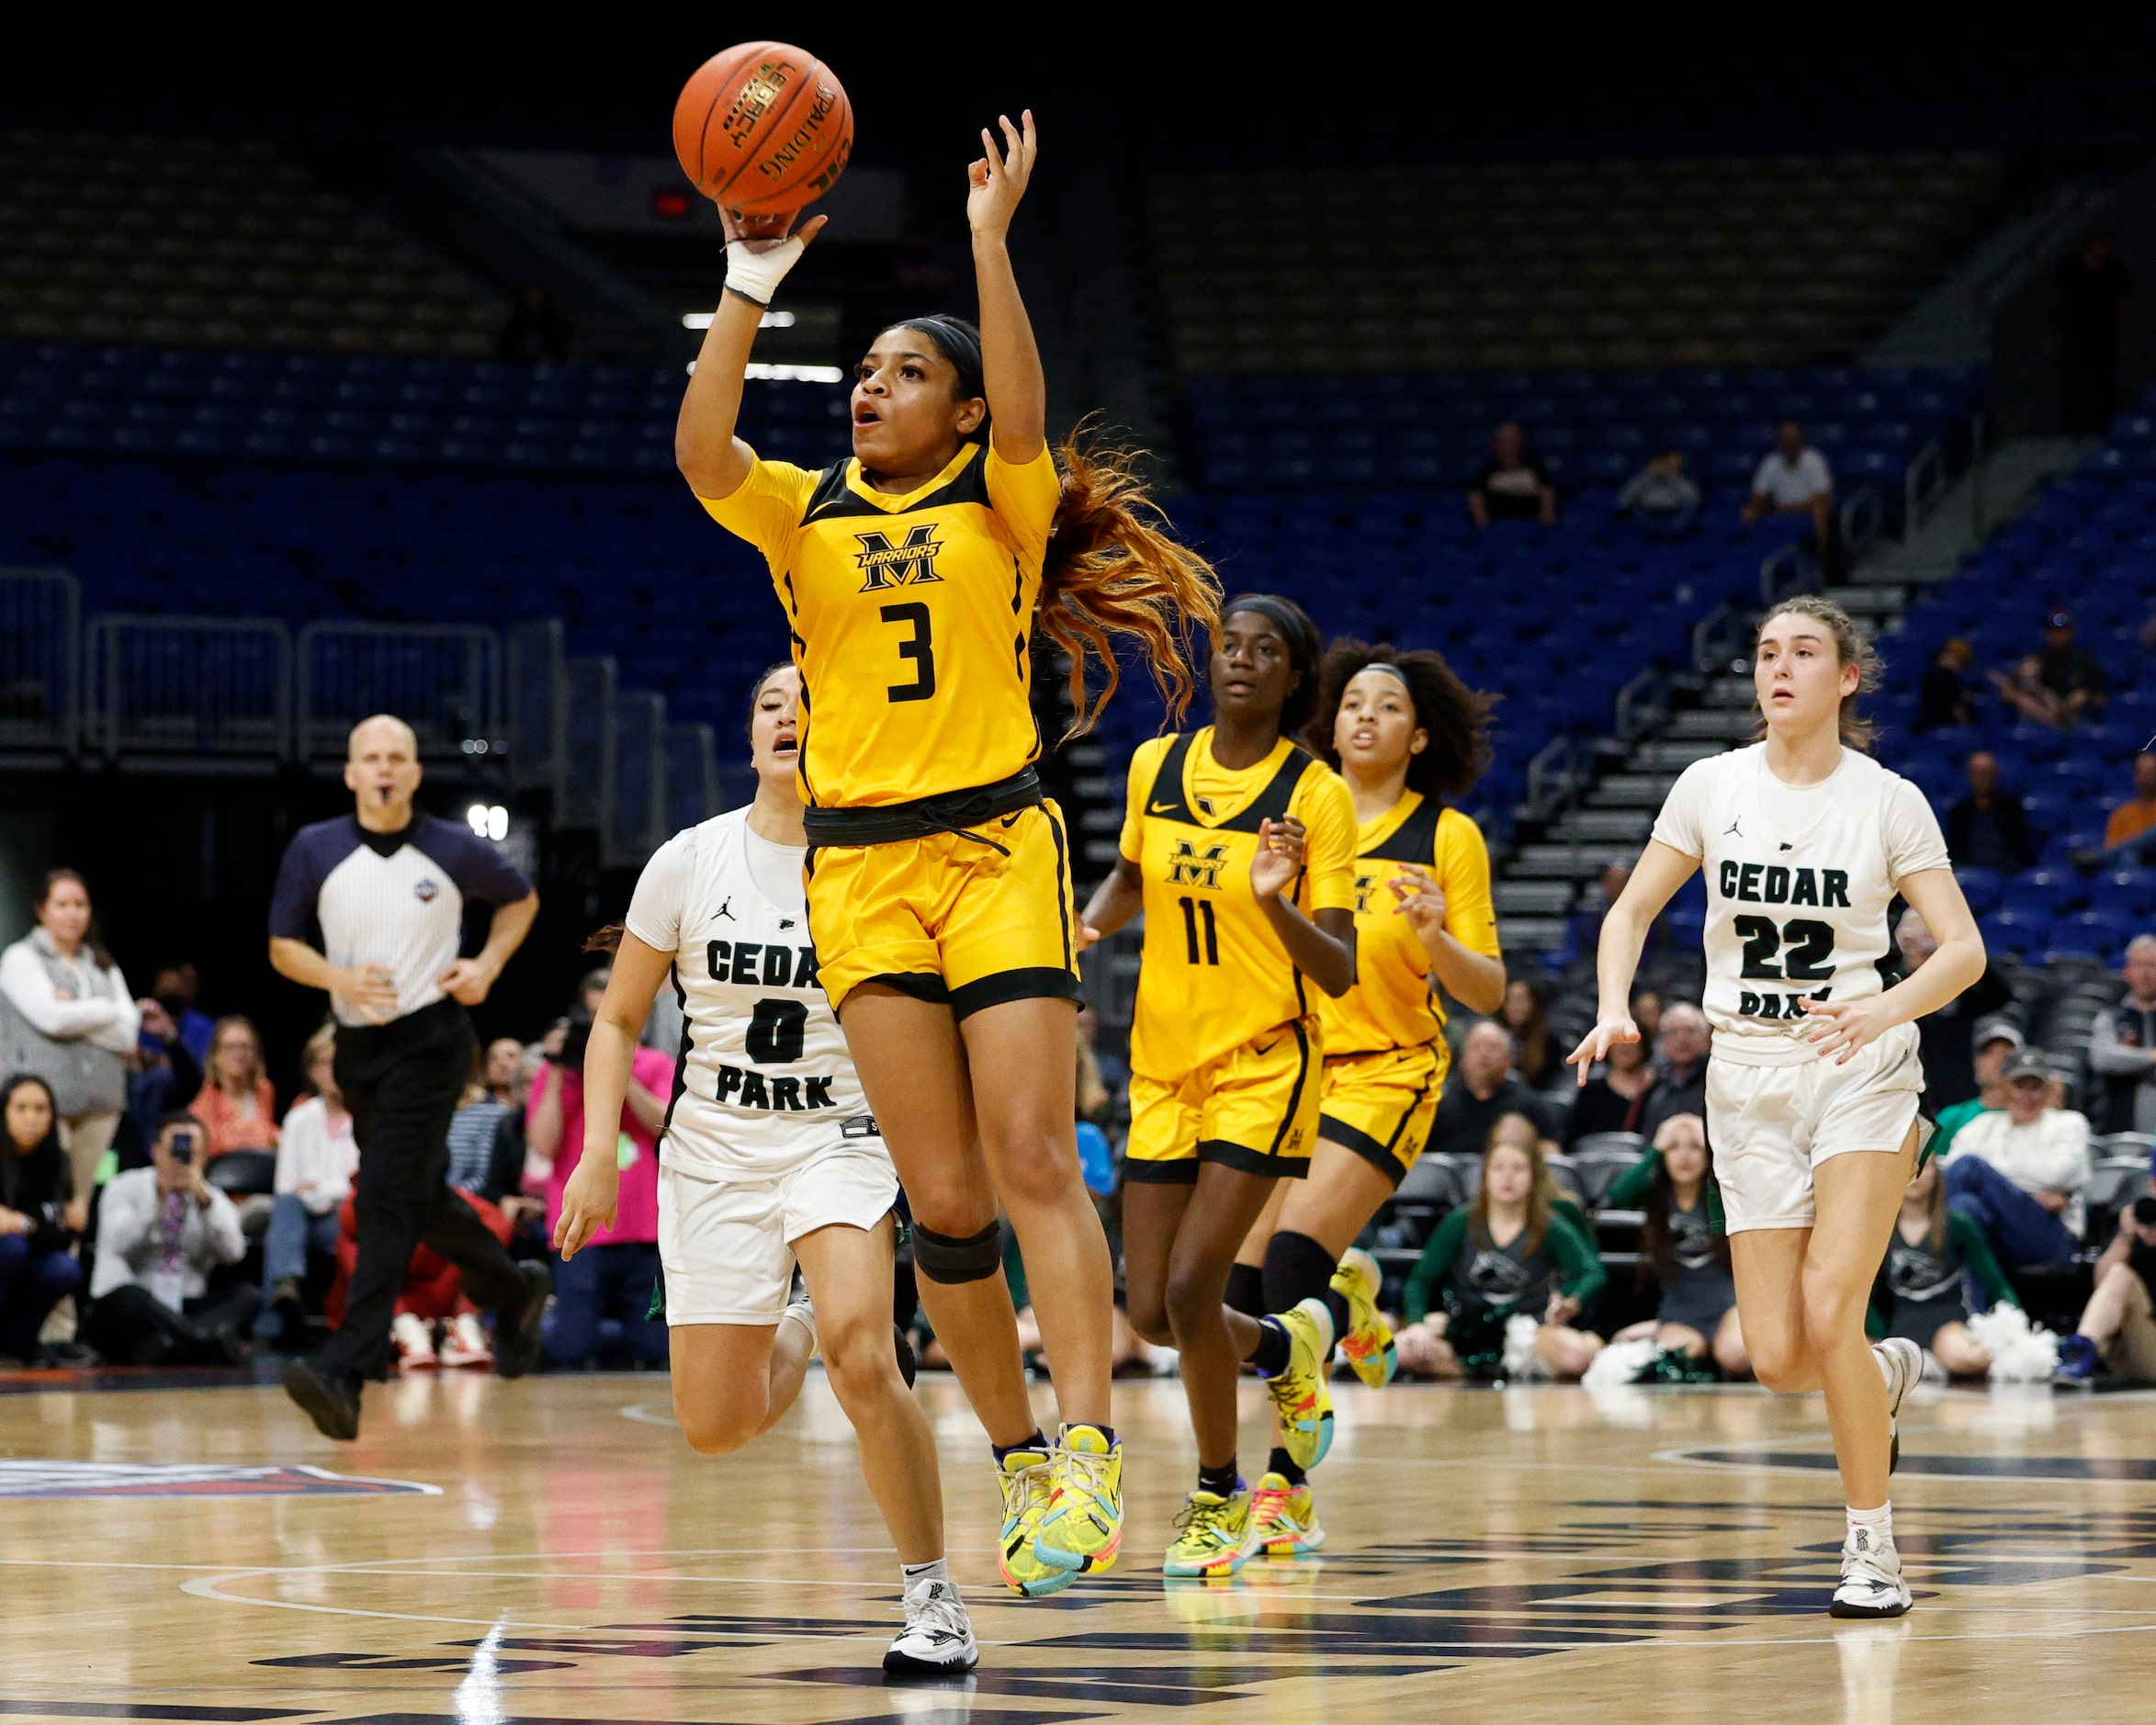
x=888, y=565
x=1193, y=867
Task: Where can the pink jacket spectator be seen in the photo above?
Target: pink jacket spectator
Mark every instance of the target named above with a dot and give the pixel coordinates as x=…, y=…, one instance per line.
x=637, y=1220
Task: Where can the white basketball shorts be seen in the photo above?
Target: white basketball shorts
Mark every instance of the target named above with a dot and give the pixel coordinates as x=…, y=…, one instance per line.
x=726, y=1245
x=1771, y=1125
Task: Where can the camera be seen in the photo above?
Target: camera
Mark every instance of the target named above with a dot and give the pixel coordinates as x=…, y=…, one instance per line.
x=572, y=1057
x=183, y=1145
x=2145, y=1212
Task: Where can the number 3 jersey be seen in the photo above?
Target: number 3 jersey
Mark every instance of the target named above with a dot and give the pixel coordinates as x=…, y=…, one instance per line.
x=910, y=617
x=764, y=1080
x=1800, y=886
x=1212, y=975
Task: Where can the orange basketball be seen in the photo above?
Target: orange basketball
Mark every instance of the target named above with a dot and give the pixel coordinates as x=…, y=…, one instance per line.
x=763, y=129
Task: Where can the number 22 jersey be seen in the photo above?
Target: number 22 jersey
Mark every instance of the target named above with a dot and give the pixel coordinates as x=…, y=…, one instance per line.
x=910, y=617
x=1800, y=882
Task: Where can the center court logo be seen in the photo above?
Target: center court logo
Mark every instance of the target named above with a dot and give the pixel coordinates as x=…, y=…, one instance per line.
x=887, y=565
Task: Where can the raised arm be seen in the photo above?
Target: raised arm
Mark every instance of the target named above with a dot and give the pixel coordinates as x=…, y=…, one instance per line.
x=589, y=1198
x=1010, y=361
x=1662, y=870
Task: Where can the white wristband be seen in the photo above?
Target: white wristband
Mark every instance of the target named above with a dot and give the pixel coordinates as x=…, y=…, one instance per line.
x=756, y=275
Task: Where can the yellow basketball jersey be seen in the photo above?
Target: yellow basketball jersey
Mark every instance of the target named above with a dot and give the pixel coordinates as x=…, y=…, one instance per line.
x=910, y=616
x=1212, y=975
x=1392, y=1003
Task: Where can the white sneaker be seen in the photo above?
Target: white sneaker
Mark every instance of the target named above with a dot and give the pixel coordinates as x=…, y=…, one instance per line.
x=1872, y=1578
x=1901, y=1360
x=464, y=1342
x=802, y=1310
x=937, y=1640
x=413, y=1338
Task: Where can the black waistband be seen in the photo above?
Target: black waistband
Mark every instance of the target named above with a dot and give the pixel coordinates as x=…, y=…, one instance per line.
x=953, y=811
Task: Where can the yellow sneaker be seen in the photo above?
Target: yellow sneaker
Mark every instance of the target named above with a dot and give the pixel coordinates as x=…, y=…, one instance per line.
x=1283, y=1520
x=1212, y=1536
x=1300, y=1398
x=1368, y=1341
x=1026, y=1481
x=1080, y=1526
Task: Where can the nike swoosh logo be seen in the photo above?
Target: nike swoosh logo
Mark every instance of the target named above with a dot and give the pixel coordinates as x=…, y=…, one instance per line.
x=1160, y=808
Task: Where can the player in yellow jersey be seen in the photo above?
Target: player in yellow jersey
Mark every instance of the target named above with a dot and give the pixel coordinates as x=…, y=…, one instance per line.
x=1238, y=845
x=1404, y=732
x=913, y=576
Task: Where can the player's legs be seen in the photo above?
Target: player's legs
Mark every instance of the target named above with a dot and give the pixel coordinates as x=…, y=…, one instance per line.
x=735, y=1382
x=1859, y=1197
x=1334, y=1202
x=1729, y=1345
x=848, y=1274
x=913, y=1070
x=1768, y=1266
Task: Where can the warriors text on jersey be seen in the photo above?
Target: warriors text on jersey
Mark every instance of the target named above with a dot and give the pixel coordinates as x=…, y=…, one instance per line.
x=1213, y=973
x=764, y=1079
x=911, y=618
x=1799, y=881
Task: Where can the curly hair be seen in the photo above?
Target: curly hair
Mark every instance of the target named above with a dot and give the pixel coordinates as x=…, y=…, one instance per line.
x=1456, y=717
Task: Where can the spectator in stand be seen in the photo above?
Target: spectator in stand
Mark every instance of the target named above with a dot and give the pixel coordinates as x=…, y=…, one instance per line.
x=41, y=1218
x=1614, y=1097
x=1485, y=1089
x=2069, y=670
x=507, y=1082
x=1512, y=485
x=1943, y=1039
x=1680, y=1067
x=1793, y=479
x=1995, y=1042
x=1646, y=1004
x=162, y=1232
x=2023, y=689
x=1661, y=498
x=176, y=989
x=2020, y=1173
x=2095, y=295
x=611, y=1278
x=2118, y=1325
x=1988, y=828
x=1942, y=698
x=1922, y=1291
x=2131, y=821
x=2122, y=1044
x=166, y=1074
x=1535, y=1053
x=66, y=1015
x=488, y=1159
x=237, y=1104
x=1683, y=1246
x=317, y=1156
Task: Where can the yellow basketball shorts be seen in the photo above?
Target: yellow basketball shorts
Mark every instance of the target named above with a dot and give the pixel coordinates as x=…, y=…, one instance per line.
x=949, y=918
x=1254, y=1107
x=1380, y=1105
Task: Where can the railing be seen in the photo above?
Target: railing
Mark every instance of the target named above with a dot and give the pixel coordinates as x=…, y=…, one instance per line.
x=587, y=779
x=1716, y=637
x=537, y=714
x=1552, y=776
x=692, y=776
x=1861, y=519
x=188, y=685
x=1641, y=704
x=636, y=815
x=40, y=658
x=1786, y=572
x=1923, y=485
x=442, y=678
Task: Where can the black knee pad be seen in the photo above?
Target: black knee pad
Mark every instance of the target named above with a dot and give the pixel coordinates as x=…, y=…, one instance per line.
x=1246, y=1290
x=1296, y=1268
x=941, y=1258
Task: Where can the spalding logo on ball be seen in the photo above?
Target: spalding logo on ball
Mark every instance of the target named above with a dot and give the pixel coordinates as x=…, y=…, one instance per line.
x=763, y=129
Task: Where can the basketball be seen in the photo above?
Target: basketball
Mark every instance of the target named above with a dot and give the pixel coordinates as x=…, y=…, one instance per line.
x=762, y=128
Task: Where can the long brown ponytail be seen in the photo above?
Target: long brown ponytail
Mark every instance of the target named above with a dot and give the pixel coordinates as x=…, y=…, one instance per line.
x=1113, y=567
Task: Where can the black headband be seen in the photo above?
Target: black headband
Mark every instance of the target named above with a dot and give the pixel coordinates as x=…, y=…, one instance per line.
x=960, y=345
x=1390, y=669
x=1293, y=626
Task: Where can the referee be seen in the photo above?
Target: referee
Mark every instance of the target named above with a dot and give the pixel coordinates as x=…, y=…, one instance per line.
x=387, y=886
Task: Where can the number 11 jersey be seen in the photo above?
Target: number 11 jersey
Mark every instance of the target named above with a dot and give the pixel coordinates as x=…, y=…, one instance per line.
x=1801, y=881
x=910, y=617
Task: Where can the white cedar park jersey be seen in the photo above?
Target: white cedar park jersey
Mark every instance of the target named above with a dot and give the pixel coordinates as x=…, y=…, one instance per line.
x=1800, y=882
x=764, y=1080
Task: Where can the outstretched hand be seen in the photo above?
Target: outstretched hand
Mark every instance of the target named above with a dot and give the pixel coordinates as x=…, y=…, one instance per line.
x=760, y=233
x=998, y=179
x=1596, y=1044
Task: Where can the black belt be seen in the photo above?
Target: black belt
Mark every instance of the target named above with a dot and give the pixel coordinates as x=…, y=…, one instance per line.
x=952, y=812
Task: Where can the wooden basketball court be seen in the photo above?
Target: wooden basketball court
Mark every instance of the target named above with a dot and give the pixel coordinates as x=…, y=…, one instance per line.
x=550, y=1549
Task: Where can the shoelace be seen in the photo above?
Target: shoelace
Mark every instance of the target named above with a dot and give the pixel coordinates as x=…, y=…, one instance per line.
x=1028, y=1488
x=937, y=1610
x=1088, y=1470
x=1268, y=1507
x=1204, y=1518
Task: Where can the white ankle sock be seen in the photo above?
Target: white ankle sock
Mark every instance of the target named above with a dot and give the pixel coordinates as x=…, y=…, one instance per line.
x=915, y=1573
x=1880, y=1521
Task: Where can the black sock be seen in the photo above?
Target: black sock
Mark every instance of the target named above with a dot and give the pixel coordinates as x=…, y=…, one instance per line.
x=1036, y=1442
x=1298, y=1269
x=1275, y=1348
x=1220, y=1482
x=1284, y=1464
x=1246, y=1290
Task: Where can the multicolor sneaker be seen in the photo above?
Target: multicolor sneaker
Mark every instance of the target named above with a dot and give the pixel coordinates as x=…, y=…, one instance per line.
x=1368, y=1344
x=1081, y=1528
x=1024, y=1477
x=1283, y=1519
x=1213, y=1537
x=1300, y=1400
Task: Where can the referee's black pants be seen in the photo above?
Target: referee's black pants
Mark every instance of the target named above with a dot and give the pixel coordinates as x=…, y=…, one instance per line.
x=402, y=1081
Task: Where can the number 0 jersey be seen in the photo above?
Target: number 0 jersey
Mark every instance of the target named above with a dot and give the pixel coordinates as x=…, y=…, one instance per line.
x=911, y=618
x=1393, y=1004
x=1212, y=975
x=764, y=1079
x=1800, y=881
